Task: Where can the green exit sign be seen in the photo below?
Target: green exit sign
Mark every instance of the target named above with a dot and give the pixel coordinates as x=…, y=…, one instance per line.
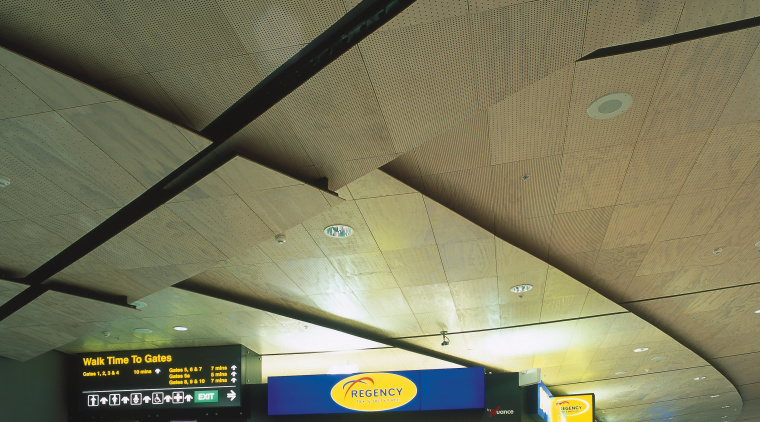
x=207, y=396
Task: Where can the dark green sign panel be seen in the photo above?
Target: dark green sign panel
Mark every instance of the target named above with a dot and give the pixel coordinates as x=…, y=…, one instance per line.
x=159, y=379
x=503, y=398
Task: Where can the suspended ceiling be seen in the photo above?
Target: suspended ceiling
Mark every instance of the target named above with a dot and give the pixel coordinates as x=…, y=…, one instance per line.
x=638, y=231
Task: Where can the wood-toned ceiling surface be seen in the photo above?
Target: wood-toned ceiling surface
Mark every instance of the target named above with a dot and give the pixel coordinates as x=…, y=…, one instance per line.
x=479, y=107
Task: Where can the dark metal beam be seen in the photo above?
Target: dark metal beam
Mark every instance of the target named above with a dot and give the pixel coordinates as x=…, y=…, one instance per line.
x=354, y=26
x=77, y=291
x=323, y=321
x=672, y=39
x=361, y=21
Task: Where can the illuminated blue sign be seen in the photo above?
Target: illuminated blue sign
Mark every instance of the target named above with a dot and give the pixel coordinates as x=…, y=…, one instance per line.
x=439, y=389
x=538, y=402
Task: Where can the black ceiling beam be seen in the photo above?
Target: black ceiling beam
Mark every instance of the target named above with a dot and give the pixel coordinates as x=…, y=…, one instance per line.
x=323, y=321
x=55, y=286
x=348, y=31
x=696, y=34
x=353, y=27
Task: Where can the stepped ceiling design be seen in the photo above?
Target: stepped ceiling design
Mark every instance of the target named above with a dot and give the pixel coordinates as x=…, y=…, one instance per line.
x=454, y=140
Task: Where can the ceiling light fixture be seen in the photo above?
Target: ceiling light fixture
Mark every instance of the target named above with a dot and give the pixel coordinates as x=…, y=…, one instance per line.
x=699, y=378
x=522, y=288
x=445, y=339
x=717, y=251
x=726, y=407
x=525, y=177
x=280, y=239
x=180, y=328
x=339, y=231
x=757, y=244
x=4, y=181
x=757, y=311
x=714, y=396
x=610, y=105
x=620, y=373
x=659, y=358
x=143, y=330
x=640, y=349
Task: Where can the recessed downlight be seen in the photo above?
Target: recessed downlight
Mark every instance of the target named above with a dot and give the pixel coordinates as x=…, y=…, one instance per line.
x=726, y=407
x=699, y=378
x=4, y=181
x=180, y=328
x=757, y=311
x=715, y=396
x=640, y=349
x=717, y=251
x=521, y=288
x=143, y=330
x=339, y=231
x=610, y=105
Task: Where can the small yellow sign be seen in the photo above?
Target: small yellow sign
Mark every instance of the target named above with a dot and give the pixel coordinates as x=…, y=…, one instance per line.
x=578, y=408
x=373, y=392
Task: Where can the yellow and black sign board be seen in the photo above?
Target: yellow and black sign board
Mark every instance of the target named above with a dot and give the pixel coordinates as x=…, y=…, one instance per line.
x=575, y=408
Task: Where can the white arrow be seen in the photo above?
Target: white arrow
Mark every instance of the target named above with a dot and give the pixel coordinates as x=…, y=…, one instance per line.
x=158, y=371
x=167, y=398
x=125, y=400
x=231, y=395
x=233, y=374
x=146, y=399
x=234, y=379
x=104, y=400
x=234, y=367
x=188, y=398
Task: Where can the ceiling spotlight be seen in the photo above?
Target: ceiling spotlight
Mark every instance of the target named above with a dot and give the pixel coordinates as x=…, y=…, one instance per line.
x=640, y=349
x=699, y=378
x=726, y=407
x=610, y=105
x=143, y=330
x=180, y=328
x=757, y=311
x=4, y=181
x=717, y=251
x=445, y=339
x=521, y=289
x=339, y=231
x=714, y=396
x=280, y=238
x=139, y=305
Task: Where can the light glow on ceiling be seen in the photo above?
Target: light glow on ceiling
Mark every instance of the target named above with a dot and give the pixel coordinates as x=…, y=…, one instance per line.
x=180, y=328
x=343, y=369
x=640, y=349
